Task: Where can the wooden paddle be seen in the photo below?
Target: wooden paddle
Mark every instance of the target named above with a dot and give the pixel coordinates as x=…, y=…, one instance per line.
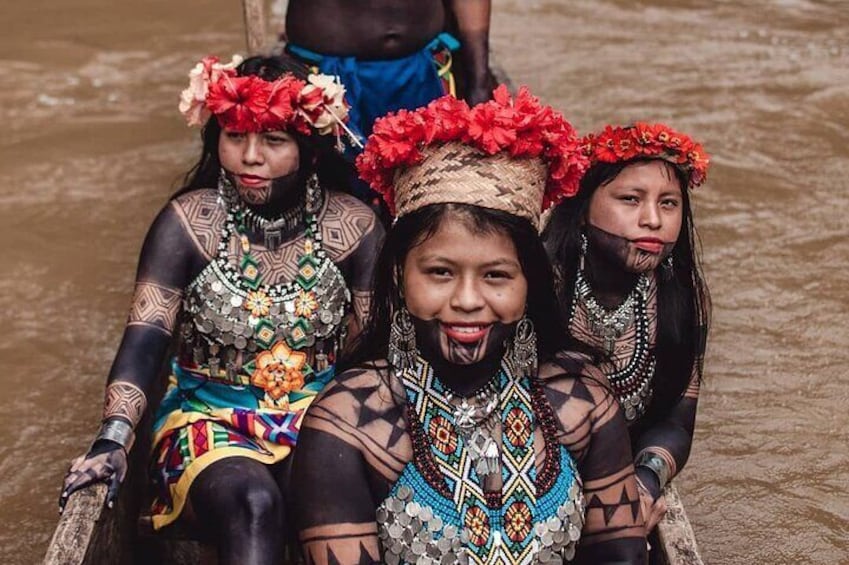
x=255, y=27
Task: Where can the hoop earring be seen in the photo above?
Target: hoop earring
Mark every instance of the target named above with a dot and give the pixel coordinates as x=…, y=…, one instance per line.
x=401, y=352
x=523, y=353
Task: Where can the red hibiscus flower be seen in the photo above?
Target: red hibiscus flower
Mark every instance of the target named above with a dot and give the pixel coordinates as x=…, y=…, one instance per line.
x=281, y=101
x=523, y=127
x=615, y=144
x=491, y=126
x=447, y=119
x=237, y=101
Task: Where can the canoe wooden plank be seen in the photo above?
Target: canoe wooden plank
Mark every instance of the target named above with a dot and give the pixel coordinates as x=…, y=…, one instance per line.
x=78, y=528
x=677, y=539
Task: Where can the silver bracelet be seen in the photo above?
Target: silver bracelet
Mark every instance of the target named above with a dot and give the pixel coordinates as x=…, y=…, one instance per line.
x=119, y=431
x=656, y=464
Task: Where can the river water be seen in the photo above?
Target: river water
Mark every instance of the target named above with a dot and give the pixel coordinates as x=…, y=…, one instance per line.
x=93, y=145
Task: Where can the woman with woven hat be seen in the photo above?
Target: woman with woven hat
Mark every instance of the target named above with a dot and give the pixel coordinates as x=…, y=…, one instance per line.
x=630, y=283
x=255, y=279
x=462, y=433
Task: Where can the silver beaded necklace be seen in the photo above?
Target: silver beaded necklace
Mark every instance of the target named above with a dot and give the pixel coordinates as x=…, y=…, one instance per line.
x=475, y=424
x=633, y=383
x=610, y=324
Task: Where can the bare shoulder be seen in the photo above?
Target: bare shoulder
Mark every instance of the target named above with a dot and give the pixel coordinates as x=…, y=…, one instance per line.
x=370, y=388
x=574, y=374
x=366, y=407
x=203, y=216
x=346, y=222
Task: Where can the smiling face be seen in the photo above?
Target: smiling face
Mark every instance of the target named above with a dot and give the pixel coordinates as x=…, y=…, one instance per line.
x=634, y=220
x=465, y=289
x=258, y=162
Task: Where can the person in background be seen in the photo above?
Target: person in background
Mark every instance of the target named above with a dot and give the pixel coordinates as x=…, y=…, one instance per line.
x=259, y=269
x=629, y=280
x=393, y=54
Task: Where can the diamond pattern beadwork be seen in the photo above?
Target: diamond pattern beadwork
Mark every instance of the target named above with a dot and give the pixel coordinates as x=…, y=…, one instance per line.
x=438, y=510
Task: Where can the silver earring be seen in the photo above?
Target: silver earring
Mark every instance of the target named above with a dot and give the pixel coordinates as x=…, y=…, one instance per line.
x=226, y=190
x=523, y=353
x=313, y=199
x=584, y=247
x=402, y=341
x=668, y=266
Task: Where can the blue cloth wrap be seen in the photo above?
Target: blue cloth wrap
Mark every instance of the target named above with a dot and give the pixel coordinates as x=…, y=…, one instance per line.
x=375, y=88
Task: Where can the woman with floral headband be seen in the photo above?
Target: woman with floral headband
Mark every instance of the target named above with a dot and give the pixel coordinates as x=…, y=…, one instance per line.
x=256, y=278
x=462, y=433
x=629, y=279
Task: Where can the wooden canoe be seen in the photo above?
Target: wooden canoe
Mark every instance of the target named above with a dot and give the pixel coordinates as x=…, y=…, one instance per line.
x=88, y=533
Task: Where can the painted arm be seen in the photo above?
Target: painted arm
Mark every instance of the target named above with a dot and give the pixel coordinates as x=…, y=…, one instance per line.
x=669, y=441
x=473, y=17
x=336, y=514
x=356, y=252
x=592, y=427
x=347, y=445
x=162, y=274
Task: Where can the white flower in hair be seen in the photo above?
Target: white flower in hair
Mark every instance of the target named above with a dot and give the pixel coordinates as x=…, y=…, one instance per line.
x=193, y=98
x=323, y=103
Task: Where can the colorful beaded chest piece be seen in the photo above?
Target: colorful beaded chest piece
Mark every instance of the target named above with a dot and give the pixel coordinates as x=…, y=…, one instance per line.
x=239, y=330
x=438, y=512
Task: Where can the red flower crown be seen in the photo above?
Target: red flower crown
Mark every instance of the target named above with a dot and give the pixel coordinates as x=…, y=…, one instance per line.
x=523, y=128
x=251, y=104
x=615, y=144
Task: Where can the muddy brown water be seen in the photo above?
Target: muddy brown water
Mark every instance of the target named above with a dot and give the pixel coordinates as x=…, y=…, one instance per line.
x=92, y=146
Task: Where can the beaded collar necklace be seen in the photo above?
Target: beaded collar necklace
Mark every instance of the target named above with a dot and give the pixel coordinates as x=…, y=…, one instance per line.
x=530, y=519
x=259, y=297
x=483, y=512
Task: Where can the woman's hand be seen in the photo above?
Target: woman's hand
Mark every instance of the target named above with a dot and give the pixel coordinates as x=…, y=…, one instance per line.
x=652, y=501
x=106, y=461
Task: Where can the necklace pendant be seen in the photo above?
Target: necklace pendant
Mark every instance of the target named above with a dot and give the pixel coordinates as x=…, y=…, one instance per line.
x=273, y=237
x=483, y=451
x=609, y=343
x=464, y=415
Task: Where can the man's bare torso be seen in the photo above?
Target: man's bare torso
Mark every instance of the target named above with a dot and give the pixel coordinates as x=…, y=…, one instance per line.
x=366, y=29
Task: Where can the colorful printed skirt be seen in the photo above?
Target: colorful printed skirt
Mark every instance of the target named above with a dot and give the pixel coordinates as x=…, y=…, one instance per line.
x=200, y=422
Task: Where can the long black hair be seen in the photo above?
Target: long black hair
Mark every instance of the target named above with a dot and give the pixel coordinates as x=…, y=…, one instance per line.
x=683, y=301
x=316, y=152
x=414, y=228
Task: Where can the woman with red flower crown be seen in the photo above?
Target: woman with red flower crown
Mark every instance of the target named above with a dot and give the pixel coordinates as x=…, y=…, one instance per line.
x=259, y=270
x=625, y=252
x=464, y=431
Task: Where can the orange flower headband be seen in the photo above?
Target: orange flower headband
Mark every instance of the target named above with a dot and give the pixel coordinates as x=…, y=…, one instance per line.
x=251, y=104
x=616, y=144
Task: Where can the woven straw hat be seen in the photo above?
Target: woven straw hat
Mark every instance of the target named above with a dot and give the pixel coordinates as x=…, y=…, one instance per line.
x=458, y=173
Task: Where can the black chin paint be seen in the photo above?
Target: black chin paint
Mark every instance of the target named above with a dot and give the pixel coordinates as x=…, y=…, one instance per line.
x=618, y=252
x=464, y=368
x=274, y=198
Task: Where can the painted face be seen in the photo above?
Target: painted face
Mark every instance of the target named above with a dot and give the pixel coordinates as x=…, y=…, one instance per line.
x=635, y=219
x=262, y=165
x=465, y=290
